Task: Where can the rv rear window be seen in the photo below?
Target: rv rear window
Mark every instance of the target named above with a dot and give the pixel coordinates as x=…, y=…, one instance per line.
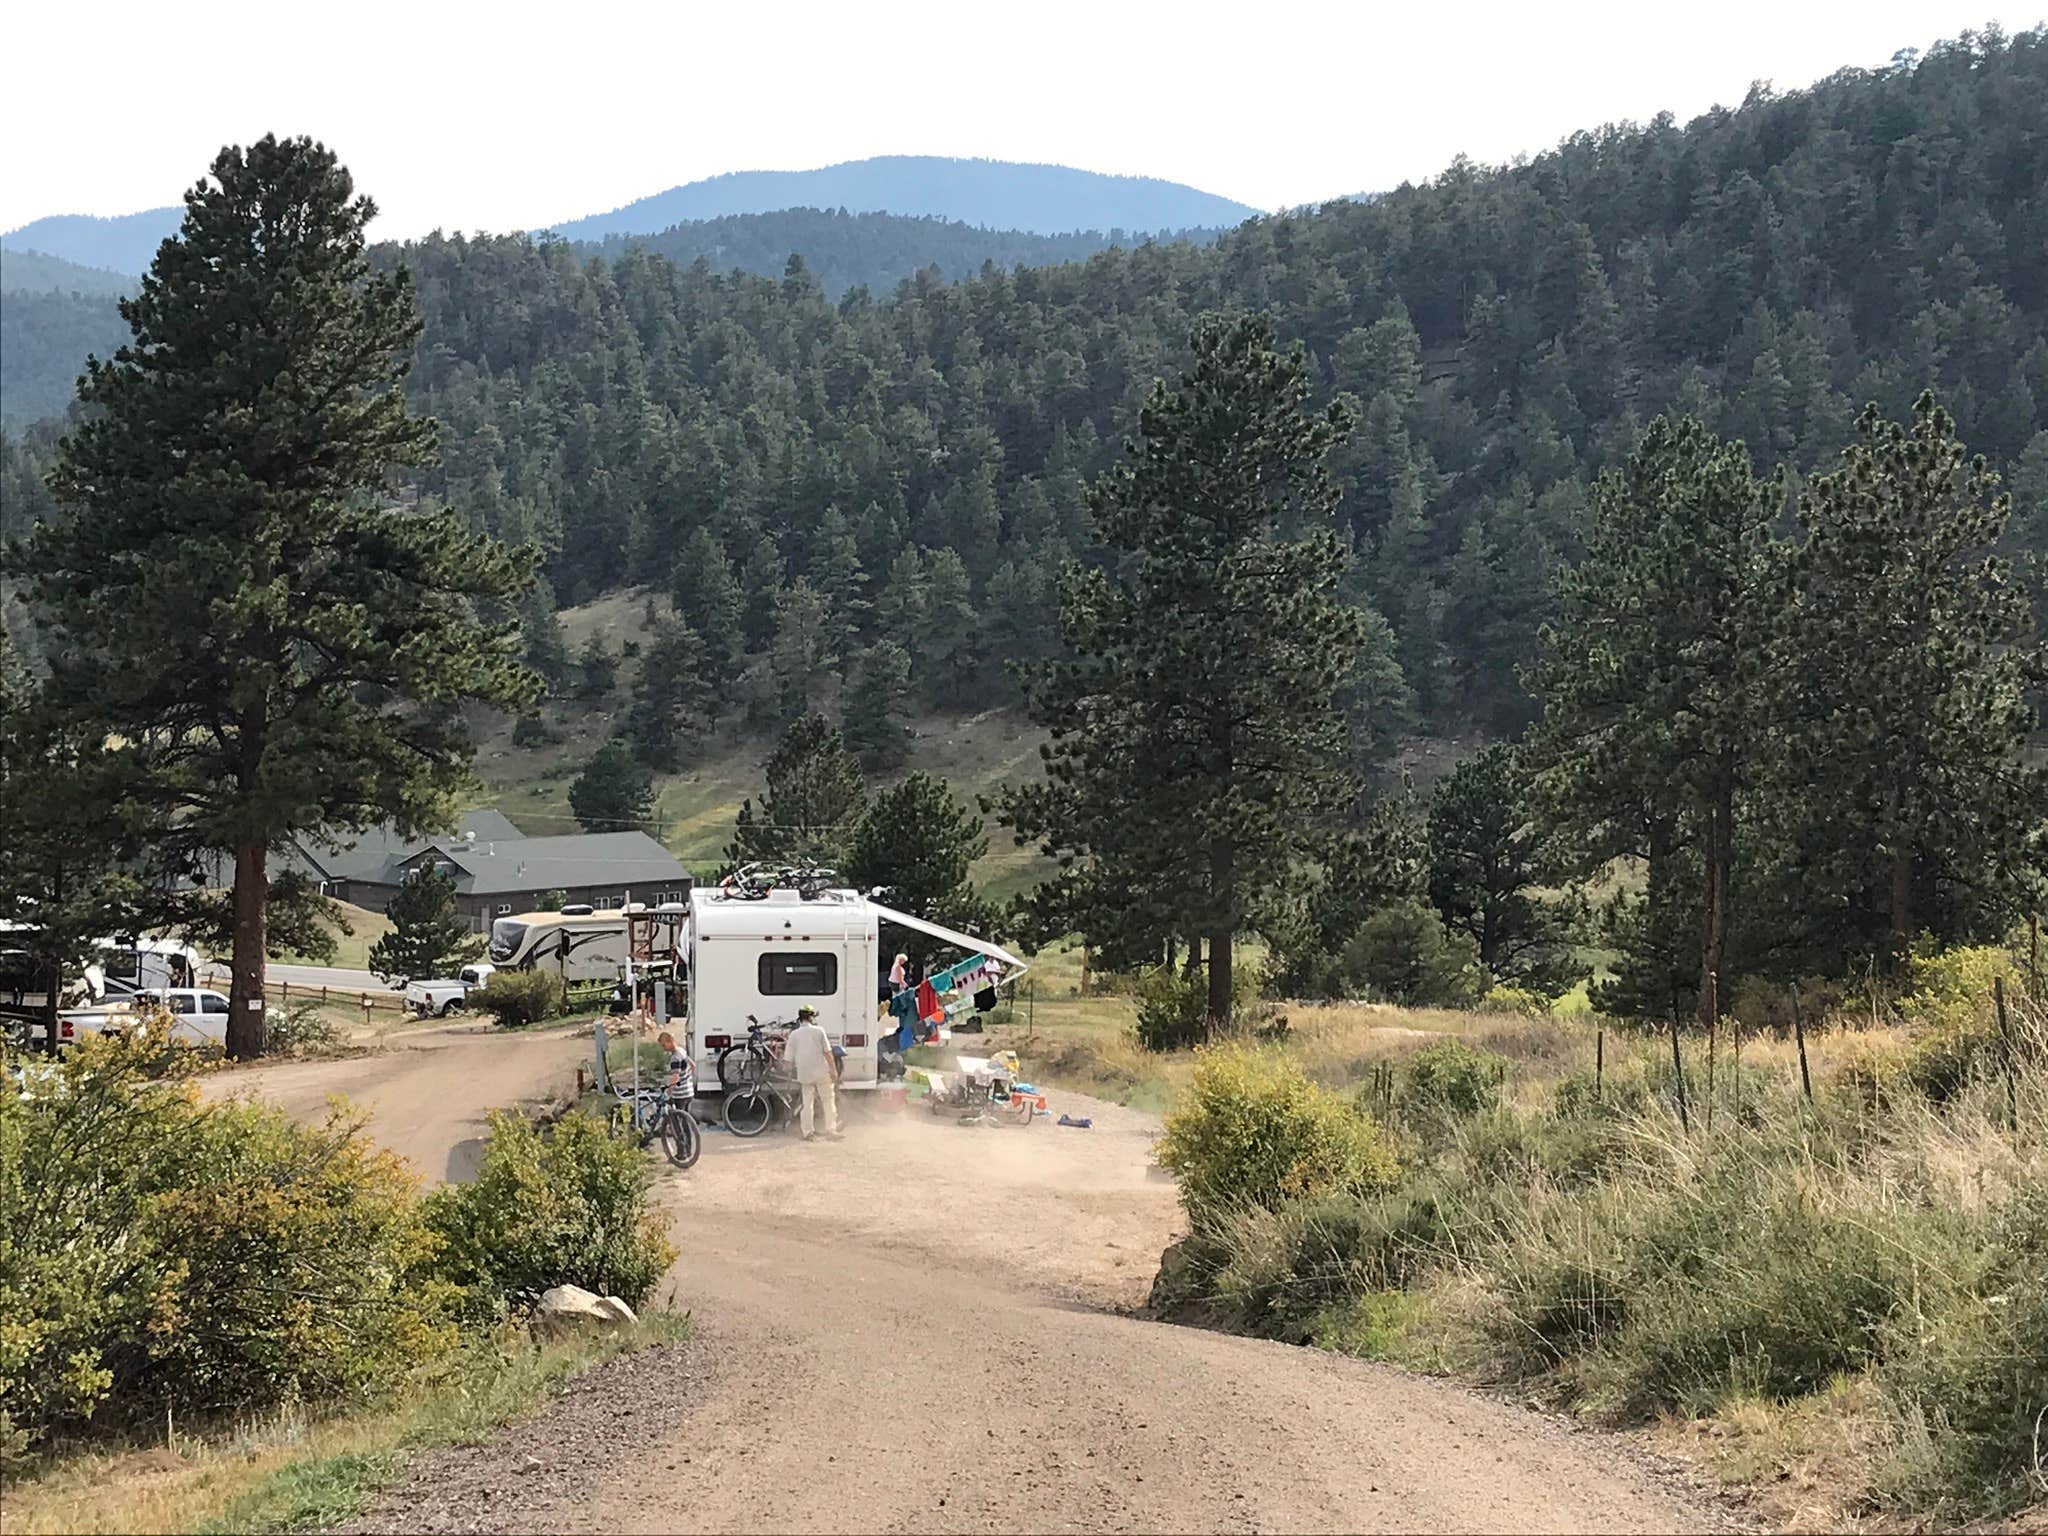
x=799, y=975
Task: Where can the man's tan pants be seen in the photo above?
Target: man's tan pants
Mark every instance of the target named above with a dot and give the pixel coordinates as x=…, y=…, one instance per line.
x=816, y=1094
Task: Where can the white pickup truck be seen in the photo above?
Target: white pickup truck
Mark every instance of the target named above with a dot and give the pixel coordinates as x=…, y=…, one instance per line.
x=438, y=999
x=199, y=1016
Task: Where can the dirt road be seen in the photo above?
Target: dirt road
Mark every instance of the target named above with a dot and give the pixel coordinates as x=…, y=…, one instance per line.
x=427, y=1091
x=916, y=1329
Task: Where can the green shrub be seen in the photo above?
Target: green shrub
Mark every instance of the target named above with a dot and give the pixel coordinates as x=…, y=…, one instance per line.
x=1173, y=1009
x=1450, y=1077
x=303, y=1030
x=1517, y=1000
x=1404, y=954
x=567, y=1207
x=1173, y=1012
x=163, y=1254
x=516, y=998
x=1252, y=1128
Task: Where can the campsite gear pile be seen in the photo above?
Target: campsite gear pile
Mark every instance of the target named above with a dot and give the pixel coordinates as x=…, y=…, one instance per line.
x=982, y=1090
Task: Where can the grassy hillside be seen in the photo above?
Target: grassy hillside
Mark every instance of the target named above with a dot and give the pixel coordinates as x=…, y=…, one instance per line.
x=974, y=753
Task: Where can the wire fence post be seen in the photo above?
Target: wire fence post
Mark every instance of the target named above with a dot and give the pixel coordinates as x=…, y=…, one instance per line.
x=1678, y=1069
x=1799, y=1034
x=1599, y=1062
x=2010, y=1053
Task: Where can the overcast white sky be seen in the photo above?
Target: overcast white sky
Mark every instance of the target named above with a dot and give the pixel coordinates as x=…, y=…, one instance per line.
x=517, y=115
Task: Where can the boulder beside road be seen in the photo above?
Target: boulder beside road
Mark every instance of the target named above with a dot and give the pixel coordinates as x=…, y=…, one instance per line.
x=562, y=1308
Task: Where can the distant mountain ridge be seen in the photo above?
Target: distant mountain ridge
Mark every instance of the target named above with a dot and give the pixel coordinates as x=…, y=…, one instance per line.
x=873, y=250
x=992, y=194
x=125, y=244
x=34, y=272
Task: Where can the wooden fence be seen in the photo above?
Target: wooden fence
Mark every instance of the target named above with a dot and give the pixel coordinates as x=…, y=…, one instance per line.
x=289, y=992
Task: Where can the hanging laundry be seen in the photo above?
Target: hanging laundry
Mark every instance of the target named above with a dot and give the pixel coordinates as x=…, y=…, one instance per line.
x=928, y=1002
x=985, y=999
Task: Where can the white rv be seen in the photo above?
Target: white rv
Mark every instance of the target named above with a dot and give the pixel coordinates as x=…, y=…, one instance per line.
x=766, y=956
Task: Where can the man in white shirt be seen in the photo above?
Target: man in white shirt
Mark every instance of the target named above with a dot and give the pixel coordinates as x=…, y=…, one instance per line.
x=809, y=1053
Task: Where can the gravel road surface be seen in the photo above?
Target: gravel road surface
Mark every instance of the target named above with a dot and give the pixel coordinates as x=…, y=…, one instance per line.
x=924, y=1328
x=428, y=1090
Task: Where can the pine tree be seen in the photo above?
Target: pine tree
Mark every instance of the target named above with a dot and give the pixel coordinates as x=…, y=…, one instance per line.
x=877, y=696
x=597, y=670
x=428, y=936
x=1485, y=855
x=541, y=640
x=614, y=792
x=919, y=842
x=709, y=599
x=1649, y=678
x=229, y=590
x=813, y=800
x=73, y=870
x=672, y=706
x=800, y=654
x=1905, y=662
x=1196, y=744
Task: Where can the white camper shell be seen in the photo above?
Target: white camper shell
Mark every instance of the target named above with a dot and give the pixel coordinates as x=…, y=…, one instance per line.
x=770, y=956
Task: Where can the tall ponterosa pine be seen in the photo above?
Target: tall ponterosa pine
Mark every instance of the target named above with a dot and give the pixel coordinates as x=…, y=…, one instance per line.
x=1907, y=657
x=1649, y=678
x=232, y=592
x=1196, y=748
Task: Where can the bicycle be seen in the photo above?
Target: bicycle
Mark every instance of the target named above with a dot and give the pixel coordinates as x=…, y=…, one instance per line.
x=664, y=1112
x=750, y=1110
x=746, y=1063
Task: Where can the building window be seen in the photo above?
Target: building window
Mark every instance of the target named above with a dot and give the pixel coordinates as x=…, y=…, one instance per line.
x=604, y=903
x=799, y=975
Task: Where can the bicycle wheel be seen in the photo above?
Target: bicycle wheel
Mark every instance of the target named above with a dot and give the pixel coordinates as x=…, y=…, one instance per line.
x=741, y=1067
x=748, y=1111
x=681, y=1140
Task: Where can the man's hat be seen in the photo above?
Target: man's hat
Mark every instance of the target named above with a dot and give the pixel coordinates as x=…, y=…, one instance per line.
x=807, y=1012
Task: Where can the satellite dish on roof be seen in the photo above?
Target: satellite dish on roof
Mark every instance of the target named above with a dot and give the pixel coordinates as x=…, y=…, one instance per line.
x=469, y=836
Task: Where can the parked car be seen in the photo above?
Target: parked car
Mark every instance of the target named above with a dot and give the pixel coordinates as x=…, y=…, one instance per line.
x=438, y=999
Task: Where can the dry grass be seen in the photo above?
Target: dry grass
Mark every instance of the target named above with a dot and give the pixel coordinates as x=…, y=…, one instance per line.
x=291, y=1469
x=352, y=949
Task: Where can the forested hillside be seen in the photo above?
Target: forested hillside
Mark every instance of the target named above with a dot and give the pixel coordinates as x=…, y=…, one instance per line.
x=993, y=194
x=893, y=481
x=45, y=336
x=875, y=250
x=815, y=480
x=34, y=272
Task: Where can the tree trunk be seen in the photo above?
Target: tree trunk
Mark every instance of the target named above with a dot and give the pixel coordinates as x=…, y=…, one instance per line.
x=1223, y=893
x=1902, y=907
x=247, y=1031
x=1720, y=854
x=53, y=980
x=1219, y=979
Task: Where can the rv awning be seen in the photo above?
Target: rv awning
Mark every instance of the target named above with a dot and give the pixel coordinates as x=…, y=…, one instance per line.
x=964, y=940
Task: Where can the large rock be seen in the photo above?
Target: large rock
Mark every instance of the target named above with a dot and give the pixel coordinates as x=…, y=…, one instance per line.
x=565, y=1307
